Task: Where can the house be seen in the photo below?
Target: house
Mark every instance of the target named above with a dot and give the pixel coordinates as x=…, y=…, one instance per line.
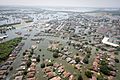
x=33, y=78
x=56, y=65
x=71, y=77
x=72, y=62
x=60, y=54
x=110, y=77
x=66, y=74
x=21, y=68
x=56, y=78
x=19, y=78
x=2, y=72
x=47, y=69
x=3, y=37
x=23, y=63
x=1, y=77
x=51, y=74
x=30, y=74
x=61, y=69
x=33, y=65
x=64, y=57
x=113, y=73
x=68, y=59
x=5, y=67
x=31, y=69
x=66, y=53
x=77, y=66
x=19, y=73
x=33, y=46
x=93, y=78
x=33, y=60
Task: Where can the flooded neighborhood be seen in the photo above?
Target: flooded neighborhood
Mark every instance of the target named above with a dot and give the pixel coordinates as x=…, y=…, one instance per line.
x=40, y=43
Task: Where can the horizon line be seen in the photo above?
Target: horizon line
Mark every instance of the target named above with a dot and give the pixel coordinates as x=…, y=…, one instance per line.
x=55, y=6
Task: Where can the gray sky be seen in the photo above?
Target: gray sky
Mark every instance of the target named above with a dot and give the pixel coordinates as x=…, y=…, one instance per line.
x=72, y=3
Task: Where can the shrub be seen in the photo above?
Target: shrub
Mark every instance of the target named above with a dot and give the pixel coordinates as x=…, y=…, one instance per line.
x=97, y=49
x=116, y=53
x=55, y=55
x=88, y=74
x=77, y=54
x=103, y=62
x=25, y=73
x=86, y=43
x=100, y=77
x=85, y=60
x=50, y=64
x=77, y=60
x=66, y=78
x=24, y=53
x=104, y=69
x=28, y=63
x=38, y=55
x=38, y=59
x=6, y=73
x=39, y=49
x=116, y=60
x=11, y=68
x=30, y=56
x=80, y=77
x=32, y=51
x=118, y=48
x=42, y=65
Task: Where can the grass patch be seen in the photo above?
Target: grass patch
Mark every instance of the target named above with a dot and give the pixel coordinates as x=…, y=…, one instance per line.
x=7, y=47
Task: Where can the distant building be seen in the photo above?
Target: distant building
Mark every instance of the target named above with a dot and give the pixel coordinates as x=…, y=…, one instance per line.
x=105, y=41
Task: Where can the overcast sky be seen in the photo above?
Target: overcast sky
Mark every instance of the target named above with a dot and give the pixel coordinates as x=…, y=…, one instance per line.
x=69, y=3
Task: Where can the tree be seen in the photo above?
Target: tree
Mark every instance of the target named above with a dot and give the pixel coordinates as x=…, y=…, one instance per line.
x=30, y=55
x=11, y=68
x=97, y=49
x=85, y=60
x=118, y=48
x=77, y=59
x=39, y=49
x=116, y=60
x=56, y=50
x=77, y=54
x=89, y=33
x=42, y=65
x=116, y=53
x=25, y=73
x=86, y=43
x=24, y=53
x=80, y=77
x=32, y=51
x=62, y=48
x=90, y=41
x=104, y=69
x=28, y=63
x=38, y=59
x=103, y=62
x=66, y=78
x=50, y=64
x=43, y=55
x=69, y=43
x=55, y=55
x=6, y=73
x=88, y=74
x=100, y=77
x=88, y=50
x=38, y=55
